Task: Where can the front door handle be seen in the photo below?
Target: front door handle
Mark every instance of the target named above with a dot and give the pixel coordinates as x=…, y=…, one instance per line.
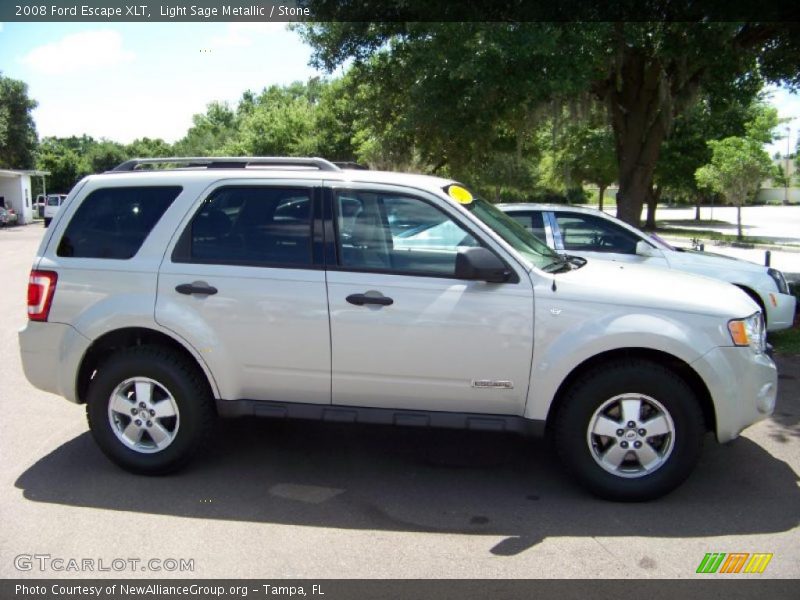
x=196, y=287
x=362, y=299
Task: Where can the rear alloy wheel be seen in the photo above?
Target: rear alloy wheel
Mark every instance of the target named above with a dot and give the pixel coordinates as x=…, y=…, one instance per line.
x=149, y=409
x=630, y=430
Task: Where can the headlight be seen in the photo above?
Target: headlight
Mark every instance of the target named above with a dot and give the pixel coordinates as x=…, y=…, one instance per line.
x=749, y=332
x=779, y=280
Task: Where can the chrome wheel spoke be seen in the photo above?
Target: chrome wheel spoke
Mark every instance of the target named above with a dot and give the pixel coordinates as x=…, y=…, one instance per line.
x=164, y=409
x=631, y=410
x=120, y=403
x=160, y=436
x=614, y=456
x=656, y=426
x=144, y=391
x=605, y=426
x=647, y=456
x=132, y=433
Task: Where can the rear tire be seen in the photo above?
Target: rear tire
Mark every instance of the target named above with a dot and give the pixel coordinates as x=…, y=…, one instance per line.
x=150, y=409
x=47, y=222
x=601, y=430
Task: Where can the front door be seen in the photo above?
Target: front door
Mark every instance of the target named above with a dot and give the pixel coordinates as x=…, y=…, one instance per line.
x=405, y=333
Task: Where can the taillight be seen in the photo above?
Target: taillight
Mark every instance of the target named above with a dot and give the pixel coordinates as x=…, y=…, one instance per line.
x=41, y=287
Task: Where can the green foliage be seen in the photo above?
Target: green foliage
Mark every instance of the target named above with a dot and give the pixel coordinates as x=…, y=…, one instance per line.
x=17, y=129
x=737, y=167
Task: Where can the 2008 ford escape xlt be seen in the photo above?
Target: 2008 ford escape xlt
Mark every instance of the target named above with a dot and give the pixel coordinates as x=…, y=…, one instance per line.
x=171, y=291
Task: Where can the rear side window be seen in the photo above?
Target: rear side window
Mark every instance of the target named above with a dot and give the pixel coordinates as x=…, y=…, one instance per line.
x=532, y=221
x=114, y=222
x=251, y=226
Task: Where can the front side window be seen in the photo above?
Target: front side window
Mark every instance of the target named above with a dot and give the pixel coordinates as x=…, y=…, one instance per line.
x=261, y=226
x=589, y=233
x=114, y=222
x=397, y=233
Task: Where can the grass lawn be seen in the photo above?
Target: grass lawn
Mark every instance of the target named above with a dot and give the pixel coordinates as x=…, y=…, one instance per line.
x=786, y=341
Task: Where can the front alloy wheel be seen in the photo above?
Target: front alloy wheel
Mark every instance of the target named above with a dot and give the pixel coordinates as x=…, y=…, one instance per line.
x=631, y=435
x=629, y=430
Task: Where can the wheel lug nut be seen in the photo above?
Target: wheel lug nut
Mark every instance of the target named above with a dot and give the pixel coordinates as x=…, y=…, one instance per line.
x=620, y=431
x=138, y=423
x=134, y=411
x=637, y=444
x=642, y=432
x=623, y=444
x=150, y=424
x=142, y=405
x=153, y=413
x=631, y=424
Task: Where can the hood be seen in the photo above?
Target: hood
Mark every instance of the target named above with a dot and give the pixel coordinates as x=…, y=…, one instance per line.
x=641, y=286
x=688, y=259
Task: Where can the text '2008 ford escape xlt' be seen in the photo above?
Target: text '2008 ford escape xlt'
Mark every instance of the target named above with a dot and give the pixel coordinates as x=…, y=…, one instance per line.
x=170, y=291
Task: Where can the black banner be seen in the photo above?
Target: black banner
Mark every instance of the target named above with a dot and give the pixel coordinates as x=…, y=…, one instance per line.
x=397, y=10
x=715, y=587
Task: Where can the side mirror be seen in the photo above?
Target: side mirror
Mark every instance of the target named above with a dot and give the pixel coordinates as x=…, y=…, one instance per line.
x=481, y=264
x=645, y=249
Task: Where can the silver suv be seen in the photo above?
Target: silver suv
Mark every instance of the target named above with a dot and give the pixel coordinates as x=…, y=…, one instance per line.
x=172, y=291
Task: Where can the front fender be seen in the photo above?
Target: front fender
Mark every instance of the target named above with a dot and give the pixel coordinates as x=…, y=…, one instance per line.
x=566, y=339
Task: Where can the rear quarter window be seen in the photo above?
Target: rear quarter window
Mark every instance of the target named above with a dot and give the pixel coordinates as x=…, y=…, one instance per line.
x=114, y=222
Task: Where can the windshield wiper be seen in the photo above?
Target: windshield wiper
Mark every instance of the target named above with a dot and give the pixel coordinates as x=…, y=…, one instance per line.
x=558, y=266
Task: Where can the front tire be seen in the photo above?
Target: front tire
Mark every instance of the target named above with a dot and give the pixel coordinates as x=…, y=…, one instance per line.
x=630, y=430
x=47, y=222
x=149, y=409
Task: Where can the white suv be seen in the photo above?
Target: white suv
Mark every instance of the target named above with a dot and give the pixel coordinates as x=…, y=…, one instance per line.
x=289, y=288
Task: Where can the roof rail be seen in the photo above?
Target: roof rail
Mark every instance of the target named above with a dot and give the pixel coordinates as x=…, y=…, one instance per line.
x=226, y=162
x=351, y=165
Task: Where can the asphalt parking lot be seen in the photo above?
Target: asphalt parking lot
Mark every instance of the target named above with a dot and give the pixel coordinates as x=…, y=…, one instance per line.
x=271, y=500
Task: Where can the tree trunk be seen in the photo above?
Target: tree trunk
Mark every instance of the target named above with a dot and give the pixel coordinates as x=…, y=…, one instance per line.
x=739, y=235
x=653, y=196
x=600, y=196
x=697, y=207
x=642, y=101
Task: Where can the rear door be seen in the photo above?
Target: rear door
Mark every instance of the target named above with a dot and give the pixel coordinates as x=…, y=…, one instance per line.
x=405, y=333
x=245, y=285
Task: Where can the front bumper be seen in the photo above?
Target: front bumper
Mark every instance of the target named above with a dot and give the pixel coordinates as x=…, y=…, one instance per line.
x=780, y=310
x=51, y=354
x=743, y=387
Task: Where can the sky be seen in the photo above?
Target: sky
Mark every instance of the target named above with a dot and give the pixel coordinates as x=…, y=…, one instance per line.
x=123, y=81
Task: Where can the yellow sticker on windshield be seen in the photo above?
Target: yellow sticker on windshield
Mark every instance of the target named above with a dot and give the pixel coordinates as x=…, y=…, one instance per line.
x=459, y=194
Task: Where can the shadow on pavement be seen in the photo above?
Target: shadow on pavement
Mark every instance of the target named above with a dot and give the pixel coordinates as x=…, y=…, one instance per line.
x=377, y=478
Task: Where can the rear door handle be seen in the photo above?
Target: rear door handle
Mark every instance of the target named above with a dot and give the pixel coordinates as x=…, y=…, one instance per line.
x=196, y=287
x=362, y=299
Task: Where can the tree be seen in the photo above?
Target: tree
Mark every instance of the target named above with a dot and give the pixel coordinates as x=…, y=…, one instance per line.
x=718, y=114
x=65, y=158
x=451, y=83
x=588, y=154
x=737, y=167
x=209, y=132
x=17, y=130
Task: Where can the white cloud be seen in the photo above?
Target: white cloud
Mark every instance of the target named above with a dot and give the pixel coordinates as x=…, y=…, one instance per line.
x=241, y=35
x=78, y=52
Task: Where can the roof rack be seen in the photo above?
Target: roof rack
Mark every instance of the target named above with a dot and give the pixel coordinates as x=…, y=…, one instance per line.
x=236, y=162
x=351, y=165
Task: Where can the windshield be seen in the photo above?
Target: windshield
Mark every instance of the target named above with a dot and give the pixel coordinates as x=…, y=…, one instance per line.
x=519, y=238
